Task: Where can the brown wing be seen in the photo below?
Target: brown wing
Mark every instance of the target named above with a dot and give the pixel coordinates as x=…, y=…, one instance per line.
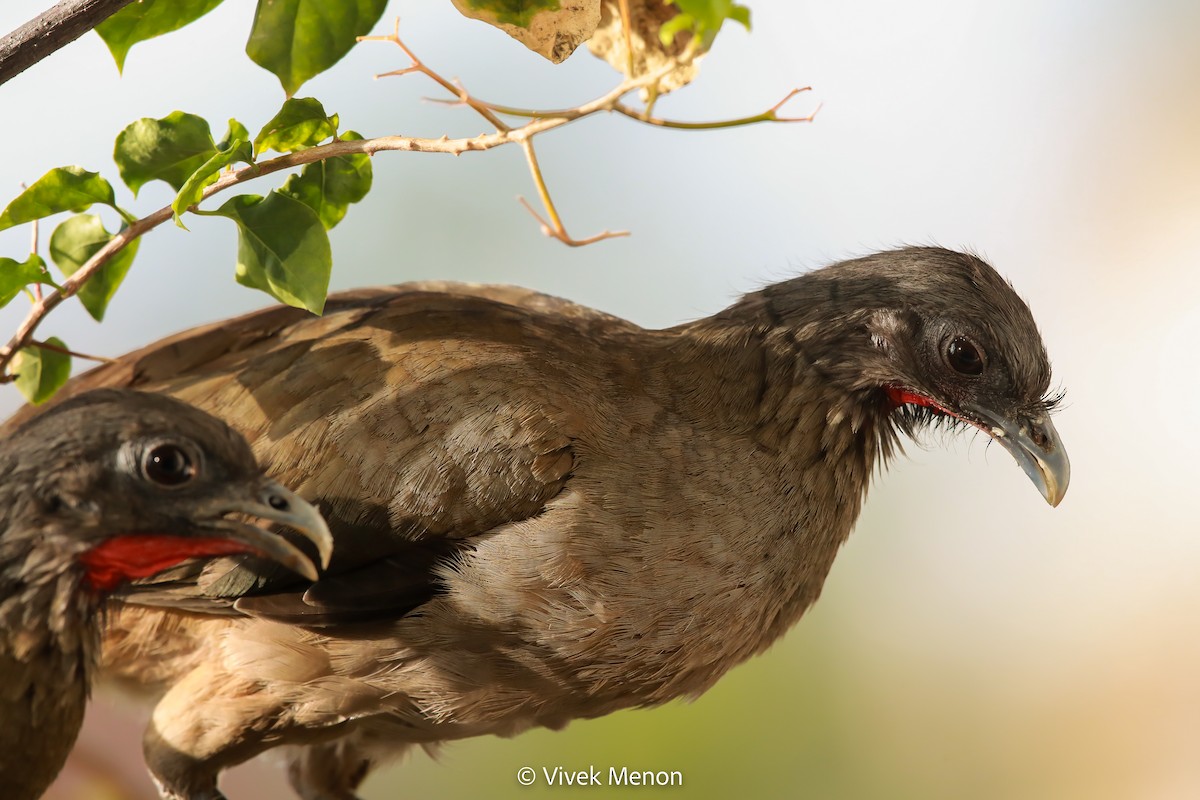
x=415, y=419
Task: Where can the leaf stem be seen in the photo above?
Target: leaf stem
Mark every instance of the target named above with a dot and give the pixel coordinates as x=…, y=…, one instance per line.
x=33, y=248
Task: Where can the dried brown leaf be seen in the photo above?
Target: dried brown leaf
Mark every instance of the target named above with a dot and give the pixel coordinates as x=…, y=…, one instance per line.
x=649, y=53
x=553, y=34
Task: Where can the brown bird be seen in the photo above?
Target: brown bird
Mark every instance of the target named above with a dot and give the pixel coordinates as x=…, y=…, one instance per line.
x=110, y=486
x=543, y=512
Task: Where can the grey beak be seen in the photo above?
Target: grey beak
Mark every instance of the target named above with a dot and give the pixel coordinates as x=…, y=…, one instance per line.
x=1036, y=446
x=276, y=503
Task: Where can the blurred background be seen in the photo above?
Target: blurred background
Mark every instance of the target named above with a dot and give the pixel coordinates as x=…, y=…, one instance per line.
x=971, y=641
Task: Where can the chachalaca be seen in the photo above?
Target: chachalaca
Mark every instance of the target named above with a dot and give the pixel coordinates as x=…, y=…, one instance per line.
x=543, y=512
x=110, y=486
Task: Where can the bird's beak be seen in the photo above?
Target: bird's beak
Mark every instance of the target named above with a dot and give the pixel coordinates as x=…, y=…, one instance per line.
x=1035, y=444
x=271, y=501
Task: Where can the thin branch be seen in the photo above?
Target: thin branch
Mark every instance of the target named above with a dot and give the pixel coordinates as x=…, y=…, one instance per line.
x=419, y=66
x=50, y=31
x=770, y=115
x=511, y=111
x=555, y=227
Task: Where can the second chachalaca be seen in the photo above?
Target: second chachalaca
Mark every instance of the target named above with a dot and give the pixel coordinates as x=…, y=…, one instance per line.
x=543, y=512
x=108, y=487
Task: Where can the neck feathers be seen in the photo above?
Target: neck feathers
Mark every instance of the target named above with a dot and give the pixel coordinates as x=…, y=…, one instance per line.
x=45, y=612
x=789, y=368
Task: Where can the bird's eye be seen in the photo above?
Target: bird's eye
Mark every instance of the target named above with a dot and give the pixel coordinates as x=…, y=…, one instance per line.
x=964, y=357
x=168, y=465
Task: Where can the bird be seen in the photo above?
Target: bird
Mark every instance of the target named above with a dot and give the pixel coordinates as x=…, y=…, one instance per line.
x=543, y=512
x=110, y=486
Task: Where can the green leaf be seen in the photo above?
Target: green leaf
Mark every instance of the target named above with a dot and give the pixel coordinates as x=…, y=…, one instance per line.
x=193, y=188
x=75, y=241
x=300, y=124
x=233, y=147
x=329, y=186
x=282, y=249
x=740, y=15
x=146, y=19
x=168, y=149
x=16, y=275
x=299, y=39
x=704, y=18
x=60, y=189
x=513, y=12
x=41, y=372
x=236, y=132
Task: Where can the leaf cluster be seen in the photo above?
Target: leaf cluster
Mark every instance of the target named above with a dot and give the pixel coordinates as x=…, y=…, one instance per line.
x=283, y=246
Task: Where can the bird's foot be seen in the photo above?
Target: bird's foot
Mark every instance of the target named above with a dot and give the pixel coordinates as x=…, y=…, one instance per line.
x=166, y=792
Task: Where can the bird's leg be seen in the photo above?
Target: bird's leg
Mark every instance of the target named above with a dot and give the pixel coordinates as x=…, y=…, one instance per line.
x=329, y=771
x=205, y=723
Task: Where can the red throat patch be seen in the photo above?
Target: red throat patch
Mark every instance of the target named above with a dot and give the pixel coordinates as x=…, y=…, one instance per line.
x=123, y=558
x=898, y=396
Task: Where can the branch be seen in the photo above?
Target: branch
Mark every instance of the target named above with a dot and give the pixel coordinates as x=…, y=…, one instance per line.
x=554, y=228
x=419, y=66
x=50, y=31
x=770, y=115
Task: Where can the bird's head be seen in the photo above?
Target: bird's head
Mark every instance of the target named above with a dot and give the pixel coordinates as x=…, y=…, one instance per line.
x=130, y=483
x=934, y=335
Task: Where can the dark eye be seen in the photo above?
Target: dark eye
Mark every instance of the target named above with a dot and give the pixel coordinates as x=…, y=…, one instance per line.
x=964, y=356
x=168, y=465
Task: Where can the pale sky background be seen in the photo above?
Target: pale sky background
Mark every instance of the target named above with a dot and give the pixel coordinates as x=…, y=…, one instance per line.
x=971, y=641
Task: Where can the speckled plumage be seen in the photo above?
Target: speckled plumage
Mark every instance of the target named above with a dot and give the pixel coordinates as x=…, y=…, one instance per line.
x=542, y=512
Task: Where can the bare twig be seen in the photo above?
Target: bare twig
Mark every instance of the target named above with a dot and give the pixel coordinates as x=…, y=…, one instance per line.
x=50, y=31
x=554, y=227
x=419, y=66
x=770, y=115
